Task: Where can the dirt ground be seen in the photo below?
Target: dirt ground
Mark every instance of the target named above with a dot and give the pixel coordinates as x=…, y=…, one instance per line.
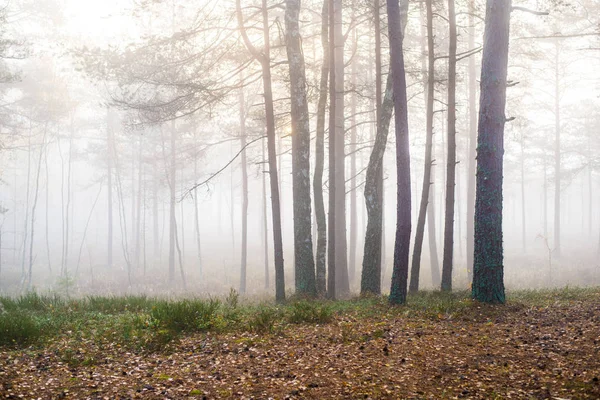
x=514, y=351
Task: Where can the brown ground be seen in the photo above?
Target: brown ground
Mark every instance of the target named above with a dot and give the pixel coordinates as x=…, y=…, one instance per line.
x=520, y=352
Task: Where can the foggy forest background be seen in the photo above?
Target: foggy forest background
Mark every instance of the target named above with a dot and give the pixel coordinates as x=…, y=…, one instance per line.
x=117, y=116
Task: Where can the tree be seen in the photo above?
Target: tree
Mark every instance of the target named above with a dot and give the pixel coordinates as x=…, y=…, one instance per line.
x=264, y=58
x=321, y=256
x=303, y=249
x=451, y=160
x=403, y=212
x=488, y=269
x=331, y=250
x=427, y=182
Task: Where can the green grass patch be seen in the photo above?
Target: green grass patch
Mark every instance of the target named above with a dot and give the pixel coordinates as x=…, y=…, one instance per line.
x=141, y=323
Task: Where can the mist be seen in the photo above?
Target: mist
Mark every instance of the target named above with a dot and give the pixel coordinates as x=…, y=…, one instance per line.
x=134, y=152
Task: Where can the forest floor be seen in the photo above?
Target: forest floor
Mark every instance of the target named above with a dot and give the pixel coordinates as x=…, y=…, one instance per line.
x=540, y=345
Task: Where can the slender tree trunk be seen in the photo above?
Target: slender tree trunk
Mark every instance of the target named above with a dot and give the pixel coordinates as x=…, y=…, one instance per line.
x=341, y=252
x=244, y=162
x=488, y=272
x=264, y=58
x=34, y=206
x=85, y=230
x=157, y=242
x=331, y=251
x=26, y=222
x=197, y=220
x=557, y=162
x=180, y=257
x=427, y=181
x=47, y=211
x=303, y=250
x=172, y=202
x=353, y=191
x=403, y=213
x=448, y=260
x=265, y=219
x=321, y=256
x=523, y=212
x=138, y=219
x=472, y=143
x=109, y=174
x=431, y=233
x=545, y=208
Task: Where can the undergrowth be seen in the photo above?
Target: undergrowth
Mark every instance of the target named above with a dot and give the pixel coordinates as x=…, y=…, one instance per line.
x=140, y=323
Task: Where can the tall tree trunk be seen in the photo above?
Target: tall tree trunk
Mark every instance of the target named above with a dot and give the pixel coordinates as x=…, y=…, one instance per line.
x=197, y=218
x=304, y=263
x=244, y=162
x=68, y=205
x=431, y=233
x=427, y=181
x=34, y=206
x=448, y=260
x=138, y=218
x=109, y=174
x=341, y=246
x=321, y=256
x=331, y=250
x=172, y=202
x=47, y=211
x=403, y=213
x=353, y=191
x=557, y=170
x=488, y=271
x=26, y=223
x=472, y=144
x=264, y=57
x=523, y=211
x=265, y=219
x=373, y=255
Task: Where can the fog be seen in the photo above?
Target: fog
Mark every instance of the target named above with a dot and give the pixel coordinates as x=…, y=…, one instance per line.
x=104, y=103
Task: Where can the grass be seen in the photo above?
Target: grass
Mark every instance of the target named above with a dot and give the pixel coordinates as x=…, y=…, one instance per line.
x=141, y=323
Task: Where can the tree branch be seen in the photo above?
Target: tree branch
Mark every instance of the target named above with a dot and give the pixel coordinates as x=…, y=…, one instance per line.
x=197, y=185
x=527, y=10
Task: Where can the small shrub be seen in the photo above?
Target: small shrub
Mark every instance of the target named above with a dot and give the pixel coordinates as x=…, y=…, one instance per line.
x=185, y=315
x=264, y=319
x=18, y=329
x=233, y=299
x=309, y=312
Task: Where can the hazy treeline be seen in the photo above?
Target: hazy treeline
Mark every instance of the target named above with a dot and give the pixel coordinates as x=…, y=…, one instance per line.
x=134, y=151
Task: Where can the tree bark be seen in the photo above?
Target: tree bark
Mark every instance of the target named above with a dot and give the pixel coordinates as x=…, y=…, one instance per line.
x=427, y=181
x=488, y=272
x=304, y=263
x=472, y=144
x=403, y=213
x=331, y=250
x=353, y=197
x=448, y=260
x=321, y=255
x=341, y=252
